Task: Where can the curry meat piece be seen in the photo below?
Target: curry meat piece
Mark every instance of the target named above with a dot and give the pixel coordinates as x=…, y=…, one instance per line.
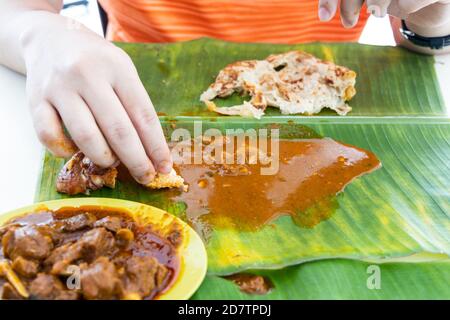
x=143, y=275
x=100, y=280
x=34, y=242
x=81, y=175
x=49, y=287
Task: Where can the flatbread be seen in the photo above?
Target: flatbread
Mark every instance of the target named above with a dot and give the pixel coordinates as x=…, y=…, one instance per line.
x=171, y=180
x=295, y=82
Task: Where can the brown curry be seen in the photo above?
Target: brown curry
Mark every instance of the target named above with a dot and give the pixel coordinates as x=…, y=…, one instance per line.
x=84, y=253
x=311, y=173
x=251, y=283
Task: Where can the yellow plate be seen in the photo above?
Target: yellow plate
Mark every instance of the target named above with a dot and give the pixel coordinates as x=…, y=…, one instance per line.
x=192, y=253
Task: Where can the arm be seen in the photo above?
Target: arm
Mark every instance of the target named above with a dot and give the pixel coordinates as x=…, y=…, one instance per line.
x=17, y=18
x=429, y=18
x=76, y=78
x=425, y=20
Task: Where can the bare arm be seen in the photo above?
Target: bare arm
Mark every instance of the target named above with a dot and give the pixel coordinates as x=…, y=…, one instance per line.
x=426, y=20
x=76, y=78
x=17, y=18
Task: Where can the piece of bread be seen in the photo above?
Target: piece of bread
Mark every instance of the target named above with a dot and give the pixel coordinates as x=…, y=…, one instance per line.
x=295, y=82
x=171, y=180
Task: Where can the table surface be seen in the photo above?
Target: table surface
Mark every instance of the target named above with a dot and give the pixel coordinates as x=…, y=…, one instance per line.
x=22, y=153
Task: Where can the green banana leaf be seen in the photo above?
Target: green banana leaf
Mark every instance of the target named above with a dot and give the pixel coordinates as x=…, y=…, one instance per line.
x=342, y=279
x=391, y=81
x=395, y=213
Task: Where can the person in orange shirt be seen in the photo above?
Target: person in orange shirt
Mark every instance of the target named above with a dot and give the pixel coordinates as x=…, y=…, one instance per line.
x=77, y=78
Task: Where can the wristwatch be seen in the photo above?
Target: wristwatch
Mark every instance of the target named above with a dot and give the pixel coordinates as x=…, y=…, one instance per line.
x=429, y=42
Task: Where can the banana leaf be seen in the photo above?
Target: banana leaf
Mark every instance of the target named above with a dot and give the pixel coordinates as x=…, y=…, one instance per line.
x=393, y=214
x=391, y=81
x=342, y=279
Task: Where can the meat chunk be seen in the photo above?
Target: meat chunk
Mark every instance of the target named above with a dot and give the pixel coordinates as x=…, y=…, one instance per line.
x=143, y=275
x=33, y=242
x=94, y=243
x=49, y=287
x=6, y=228
x=81, y=175
x=78, y=222
x=62, y=257
x=24, y=267
x=100, y=280
x=110, y=223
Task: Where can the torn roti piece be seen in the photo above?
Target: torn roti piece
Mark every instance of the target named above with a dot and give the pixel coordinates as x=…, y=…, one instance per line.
x=81, y=175
x=171, y=180
x=295, y=82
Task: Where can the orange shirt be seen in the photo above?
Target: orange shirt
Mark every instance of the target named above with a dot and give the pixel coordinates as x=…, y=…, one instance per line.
x=273, y=21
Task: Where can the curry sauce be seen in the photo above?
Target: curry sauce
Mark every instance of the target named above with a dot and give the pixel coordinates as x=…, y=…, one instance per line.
x=311, y=173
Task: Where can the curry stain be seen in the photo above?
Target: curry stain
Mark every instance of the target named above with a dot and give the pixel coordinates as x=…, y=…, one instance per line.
x=251, y=283
x=328, y=54
x=163, y=67
x=311, y=173
x=199, y=111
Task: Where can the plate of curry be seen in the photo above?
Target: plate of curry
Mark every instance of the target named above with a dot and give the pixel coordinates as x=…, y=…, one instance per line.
x=98, y=248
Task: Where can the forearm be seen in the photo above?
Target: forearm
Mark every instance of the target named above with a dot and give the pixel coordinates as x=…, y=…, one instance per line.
x=440, y=31
x=19, y=19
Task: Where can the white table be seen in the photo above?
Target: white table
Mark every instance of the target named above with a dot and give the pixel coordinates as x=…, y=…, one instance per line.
x=21, y=152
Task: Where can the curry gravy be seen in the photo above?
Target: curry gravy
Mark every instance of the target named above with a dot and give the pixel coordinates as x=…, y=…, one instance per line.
x=311, y=173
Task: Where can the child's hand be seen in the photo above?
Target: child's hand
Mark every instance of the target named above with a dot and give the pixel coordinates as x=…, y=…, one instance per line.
x=424, y=16
x=77, y=77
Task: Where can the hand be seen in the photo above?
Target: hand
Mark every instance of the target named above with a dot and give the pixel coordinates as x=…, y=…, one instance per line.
x=77, y=78
x=424, y=16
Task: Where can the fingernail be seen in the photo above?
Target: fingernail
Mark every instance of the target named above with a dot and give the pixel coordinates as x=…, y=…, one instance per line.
x=146, y=179
x=324, y=14
x=165, y=167
x=116, y=164
x=348, y=23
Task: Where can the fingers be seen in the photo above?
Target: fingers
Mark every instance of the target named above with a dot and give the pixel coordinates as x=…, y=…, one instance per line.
x=136, y=101
x=327, y=9
x=379, y=8
x=83, y=129
x=350, y=10
x=119, y=131
x=50, y=131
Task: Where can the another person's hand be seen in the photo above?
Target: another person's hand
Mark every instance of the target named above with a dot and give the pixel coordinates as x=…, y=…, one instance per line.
x=77, y=78
x=425, y=17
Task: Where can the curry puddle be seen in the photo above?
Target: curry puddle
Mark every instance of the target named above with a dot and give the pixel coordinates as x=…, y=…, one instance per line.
x=311, y=173
x=251, y=283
